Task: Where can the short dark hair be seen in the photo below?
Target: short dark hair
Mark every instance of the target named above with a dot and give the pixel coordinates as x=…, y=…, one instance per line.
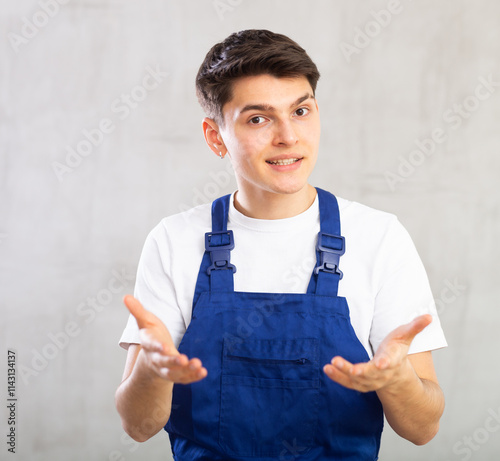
x=249, y=53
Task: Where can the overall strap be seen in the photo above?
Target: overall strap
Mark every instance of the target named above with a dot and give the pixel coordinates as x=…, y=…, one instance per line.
x=216, y=271
x=330, y=247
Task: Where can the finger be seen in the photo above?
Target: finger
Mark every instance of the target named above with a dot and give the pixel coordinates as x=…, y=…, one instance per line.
x=412, y=329
x=340, y=376
x=353, y=370
x=339, y=370
x=183, y=375
x=193, y=376
x=365, y=370
x=170, y=361
x=383, y=362
x=137, y=310
x=194, y=364
x=396, y=344
x=362, y=371
x=362, y=377
x=342, y=364
x=178, y=369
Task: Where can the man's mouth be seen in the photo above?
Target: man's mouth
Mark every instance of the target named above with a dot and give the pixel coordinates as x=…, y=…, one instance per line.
x=286, y=161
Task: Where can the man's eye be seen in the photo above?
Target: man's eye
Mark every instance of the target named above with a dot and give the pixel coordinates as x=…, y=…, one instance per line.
x=257, y=120
x=301, y=111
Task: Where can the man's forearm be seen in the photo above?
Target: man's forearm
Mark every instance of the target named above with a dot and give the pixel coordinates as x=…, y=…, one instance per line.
x=143, y=401
x=413, y=406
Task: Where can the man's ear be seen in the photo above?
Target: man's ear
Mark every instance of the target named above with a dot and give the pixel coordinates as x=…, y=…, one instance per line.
x=213, y=137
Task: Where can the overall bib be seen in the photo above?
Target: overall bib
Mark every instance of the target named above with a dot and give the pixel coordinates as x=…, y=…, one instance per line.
x=266, y=396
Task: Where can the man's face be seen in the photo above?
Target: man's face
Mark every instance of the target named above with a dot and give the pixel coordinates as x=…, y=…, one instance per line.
x=271, y=133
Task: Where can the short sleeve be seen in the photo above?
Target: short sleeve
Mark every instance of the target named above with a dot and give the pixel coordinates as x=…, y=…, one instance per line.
x=403, y=292
x=154, y=288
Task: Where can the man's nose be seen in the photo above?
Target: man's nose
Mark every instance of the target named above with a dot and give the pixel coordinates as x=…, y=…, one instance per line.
x=285, y=134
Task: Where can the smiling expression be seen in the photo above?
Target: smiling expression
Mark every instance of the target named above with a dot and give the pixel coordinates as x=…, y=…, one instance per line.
x=271, y=133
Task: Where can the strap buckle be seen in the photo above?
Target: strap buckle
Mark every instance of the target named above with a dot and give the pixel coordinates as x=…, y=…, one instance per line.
x=331, y=248
x=219, y=245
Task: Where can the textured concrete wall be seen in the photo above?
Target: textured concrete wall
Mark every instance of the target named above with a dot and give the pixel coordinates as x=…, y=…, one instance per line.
x=100, y=138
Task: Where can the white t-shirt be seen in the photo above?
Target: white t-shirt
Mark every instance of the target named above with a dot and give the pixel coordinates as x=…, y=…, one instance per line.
x=384, y=280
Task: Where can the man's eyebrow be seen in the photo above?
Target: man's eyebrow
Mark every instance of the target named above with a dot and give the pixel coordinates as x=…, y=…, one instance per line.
x=269, y=108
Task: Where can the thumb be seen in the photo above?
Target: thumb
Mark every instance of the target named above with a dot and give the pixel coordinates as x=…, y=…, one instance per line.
x=403, y=335
x=137, y=310
x=412, y=329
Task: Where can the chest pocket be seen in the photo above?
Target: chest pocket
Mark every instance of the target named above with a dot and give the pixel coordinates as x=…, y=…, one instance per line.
x=269, y=396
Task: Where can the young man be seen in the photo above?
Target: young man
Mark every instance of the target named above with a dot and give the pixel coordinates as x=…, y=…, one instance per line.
x=265, y=351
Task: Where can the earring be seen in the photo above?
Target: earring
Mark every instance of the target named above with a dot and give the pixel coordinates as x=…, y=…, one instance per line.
x=221, y=157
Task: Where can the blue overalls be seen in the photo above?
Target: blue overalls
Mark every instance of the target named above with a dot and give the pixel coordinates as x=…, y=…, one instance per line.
x=266, y=396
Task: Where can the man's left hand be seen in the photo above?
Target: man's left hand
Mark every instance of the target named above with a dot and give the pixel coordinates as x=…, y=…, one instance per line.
x=387, y=366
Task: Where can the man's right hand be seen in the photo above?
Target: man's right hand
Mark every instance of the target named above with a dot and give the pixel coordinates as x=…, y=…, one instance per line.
x=161, y=355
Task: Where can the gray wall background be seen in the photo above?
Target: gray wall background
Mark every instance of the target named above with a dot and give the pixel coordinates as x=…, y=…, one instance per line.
x=64, y=237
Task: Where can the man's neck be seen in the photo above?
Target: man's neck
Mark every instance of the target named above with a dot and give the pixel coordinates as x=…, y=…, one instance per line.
x=269, y=205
